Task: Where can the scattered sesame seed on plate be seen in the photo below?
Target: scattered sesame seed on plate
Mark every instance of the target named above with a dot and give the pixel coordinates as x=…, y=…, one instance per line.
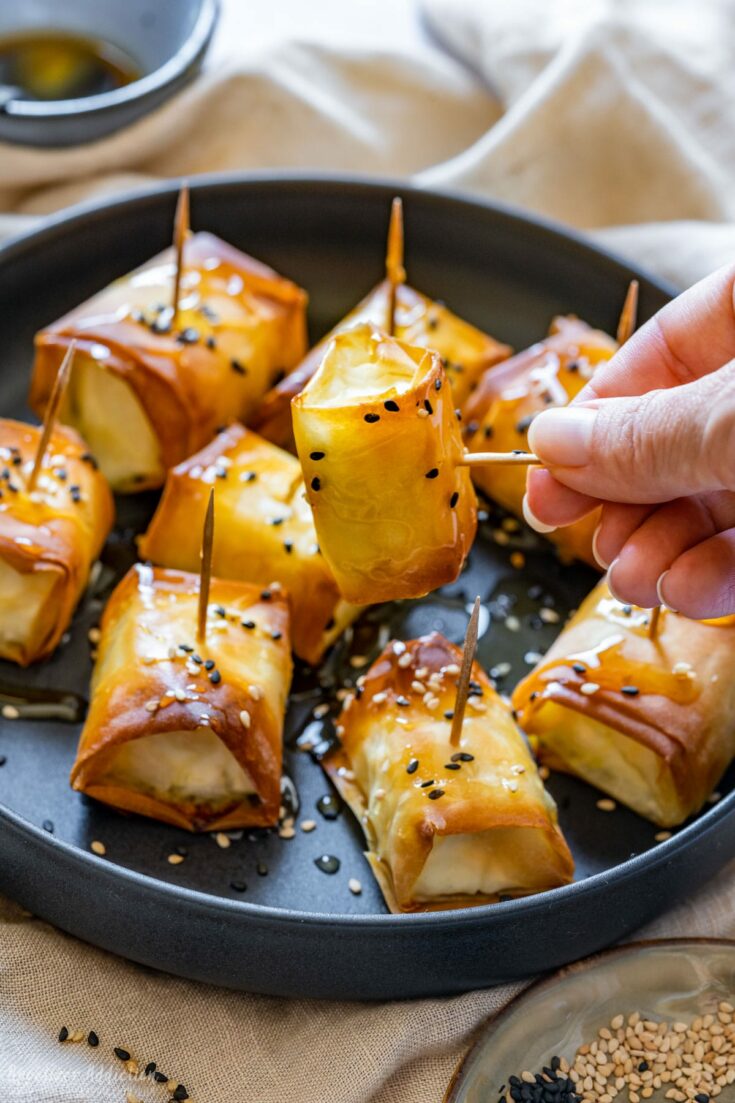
x=606, y=805
x=222, y=840
x=549, y=616
x=175, y=859
x=286, y=832
x=10, y=712
x=512, y=623
x=307, y=825
x=97, y=847
x=662, y=836
x=354, y=886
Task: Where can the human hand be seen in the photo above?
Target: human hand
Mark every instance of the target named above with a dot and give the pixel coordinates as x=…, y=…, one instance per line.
x=651, y=438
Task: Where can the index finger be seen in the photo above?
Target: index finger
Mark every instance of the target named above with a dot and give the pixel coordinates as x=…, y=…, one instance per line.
x=691, y=336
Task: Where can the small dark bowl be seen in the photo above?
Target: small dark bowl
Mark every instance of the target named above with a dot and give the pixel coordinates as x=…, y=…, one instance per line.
x=166, y=38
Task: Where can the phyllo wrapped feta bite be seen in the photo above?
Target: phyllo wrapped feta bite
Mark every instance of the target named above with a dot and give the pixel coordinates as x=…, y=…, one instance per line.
x=145, y=393
x=184, y=731
x=498, y=415
x=447, y=825
x=646, y=720
x=265, y=531
x=49, y=537
x=381, y=451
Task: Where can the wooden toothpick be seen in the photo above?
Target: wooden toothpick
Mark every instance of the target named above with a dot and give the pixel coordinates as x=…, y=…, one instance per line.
x=629, y=313
x=653, y=619
x=394, y=270
x=465, y=674
x=181, y=232
x=205, y=570
x=481, y=459
x=52, y=410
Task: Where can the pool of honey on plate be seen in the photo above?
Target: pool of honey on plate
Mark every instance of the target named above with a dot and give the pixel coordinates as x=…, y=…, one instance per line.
x=58, y=66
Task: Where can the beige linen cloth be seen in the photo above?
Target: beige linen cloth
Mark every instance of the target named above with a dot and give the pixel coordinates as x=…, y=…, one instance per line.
x=617, y=117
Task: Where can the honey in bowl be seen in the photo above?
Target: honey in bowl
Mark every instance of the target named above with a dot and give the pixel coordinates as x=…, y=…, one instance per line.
x=56, y=66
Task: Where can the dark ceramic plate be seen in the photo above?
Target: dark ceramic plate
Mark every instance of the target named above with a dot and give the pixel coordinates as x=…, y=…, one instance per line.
x=295, y=930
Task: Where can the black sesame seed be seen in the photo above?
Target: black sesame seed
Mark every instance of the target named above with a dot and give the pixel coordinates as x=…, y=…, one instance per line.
x=454, y=499
x=579, y=668
x=288, y=545
x=701, y=1097
x=92, y=1039
x=210, y=343
x=180, y=1093
x=523, y=425
x=220, y=610
x=221, y=473
x=452, y=766
x=402, y=701
x=458, y=415
x=215, y=677
x=160, y=1077
x=186, y=647
x=74, y=492
x=197, y=659
x=261, y=869
x=330, y=624
x=188, y=336
x=518, y=452
x=391, y=406
x=209, y=664
x=236, y=886
x=427, y=784
x=372, y=418
x=265, y=595
x=432, y=474
x=182, y=851
x=412, y=766
x=435, y=794
x=250, y=477
x=627, y=609
x=248, y=623
x=463, y=756
x=87, y=457
x=630, y=691
x=238, y=367
x=3, y=759
x=488, y=432
x=277, y=521
x=276, y=635
x=63, y=1034
x=17, y=461
x=317, y=455
x=150, y=1067
x=573, y=366
x=428, y=407
x=48, y=825
x=316, y=483
x=449, y=714
x=121, y=1054
x=643, y=1066
x=438, y=383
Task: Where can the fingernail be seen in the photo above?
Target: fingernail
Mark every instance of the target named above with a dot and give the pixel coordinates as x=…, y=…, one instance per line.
x=532, y=520
x=595, y=552
x=610, y=584
x=563, y=437
x=660, y=592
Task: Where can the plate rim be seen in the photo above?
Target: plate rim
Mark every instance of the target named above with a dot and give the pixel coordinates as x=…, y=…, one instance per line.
x=490, y=1022
x=88, y=213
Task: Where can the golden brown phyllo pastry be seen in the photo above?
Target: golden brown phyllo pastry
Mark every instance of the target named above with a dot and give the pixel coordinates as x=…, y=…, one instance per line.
x=498, y=414
x=265, y=531
x=446, y=826
x=380, y=448
x=145, y=395
x=466, y=350
x=49, y=538
x=647, y=721
x=185, y=732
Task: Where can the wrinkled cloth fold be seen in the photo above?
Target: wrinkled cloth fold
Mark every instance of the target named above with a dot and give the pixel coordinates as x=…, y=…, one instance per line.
x=615, y=116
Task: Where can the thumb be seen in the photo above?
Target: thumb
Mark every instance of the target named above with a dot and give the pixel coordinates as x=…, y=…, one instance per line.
x=650, y=448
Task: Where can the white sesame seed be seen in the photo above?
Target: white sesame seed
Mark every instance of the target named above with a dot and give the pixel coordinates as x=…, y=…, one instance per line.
x=512, y=624
x=399, y=647
x=222, y=840
x=255, y=692
x=354, y=886
x=588, y=688
x=378, y=794
x=549, y=616
x=175, y=859
x=532, y=657
x=662, y=836
x=451, y=669
x=422, y=672
x=378, y=698
x=358, y=660
x=713, y=798
x=9, y=712
x=151, y=706
x=418, y=687
x=510, y=785
x=477, y=704
x=682, y=669
x=518, y=769
x=405, y=660
x=97, y=847
x=422, y=413
x=606, y=805
x=319, y=711
x=94, y=635
x=286, y=832
x=500, y=670
x=307, y=825
x=501, y=537
x=346, y=773
x=179, y=695
x=245, y=718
